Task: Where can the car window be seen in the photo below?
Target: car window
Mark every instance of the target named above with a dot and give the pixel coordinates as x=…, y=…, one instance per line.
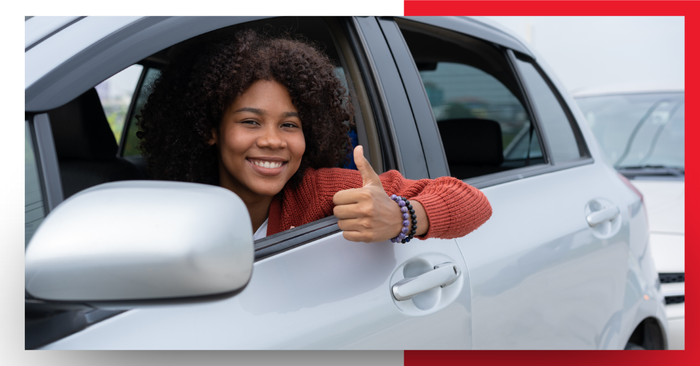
x=317, y=30
x=115, y=95
x=131, y=141
x=33, y=196
x=483, y=121
x=562, y=142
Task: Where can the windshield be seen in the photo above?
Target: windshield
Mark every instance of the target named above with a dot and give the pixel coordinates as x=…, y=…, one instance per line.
x=638, y=130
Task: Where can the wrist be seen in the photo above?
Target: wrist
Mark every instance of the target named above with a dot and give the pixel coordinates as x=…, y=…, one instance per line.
x=409, y=220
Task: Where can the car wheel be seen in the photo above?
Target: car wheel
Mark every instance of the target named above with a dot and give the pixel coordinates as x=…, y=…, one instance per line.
x=632, y=346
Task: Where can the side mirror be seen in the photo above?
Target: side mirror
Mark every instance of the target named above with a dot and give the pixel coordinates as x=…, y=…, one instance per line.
x=135, y=242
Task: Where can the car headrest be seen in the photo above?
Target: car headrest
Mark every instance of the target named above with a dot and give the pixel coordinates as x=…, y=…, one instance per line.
x=472, y=141
x=81, y=131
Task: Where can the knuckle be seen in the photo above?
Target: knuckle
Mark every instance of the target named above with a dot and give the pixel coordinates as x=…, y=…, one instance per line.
x=365, y=193
x=366, y=209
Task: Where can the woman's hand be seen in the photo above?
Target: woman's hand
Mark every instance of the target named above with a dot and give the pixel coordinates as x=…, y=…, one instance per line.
x=367, y=214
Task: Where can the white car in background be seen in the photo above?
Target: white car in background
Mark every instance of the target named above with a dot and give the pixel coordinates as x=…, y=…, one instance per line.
x=641, y=131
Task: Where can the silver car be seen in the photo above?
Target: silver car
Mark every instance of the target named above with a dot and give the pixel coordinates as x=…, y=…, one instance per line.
x=115, y=260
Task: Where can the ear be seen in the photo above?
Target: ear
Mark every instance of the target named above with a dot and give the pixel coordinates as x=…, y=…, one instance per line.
x=214, y=137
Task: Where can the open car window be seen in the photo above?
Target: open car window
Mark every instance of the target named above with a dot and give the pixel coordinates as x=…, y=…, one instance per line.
x=115, y=95
x=123, y=95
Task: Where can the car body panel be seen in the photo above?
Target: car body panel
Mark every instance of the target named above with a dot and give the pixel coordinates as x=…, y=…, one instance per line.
x=329, y=294
x=568, y=265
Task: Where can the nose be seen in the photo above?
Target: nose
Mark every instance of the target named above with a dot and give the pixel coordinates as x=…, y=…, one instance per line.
x=271, y=138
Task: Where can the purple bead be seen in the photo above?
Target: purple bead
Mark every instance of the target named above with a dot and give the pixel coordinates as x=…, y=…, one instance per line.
x=402, y=203
x=405, y=216
x=404, y=230
x=393, y=197
x=402, y=236
x=405, y=223
x=404, y=209
x=393, y=240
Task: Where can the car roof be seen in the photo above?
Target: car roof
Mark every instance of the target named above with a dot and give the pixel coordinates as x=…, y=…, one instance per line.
x=61, y=52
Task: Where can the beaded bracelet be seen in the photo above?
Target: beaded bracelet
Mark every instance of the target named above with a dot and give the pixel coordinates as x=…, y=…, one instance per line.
x=406, y=211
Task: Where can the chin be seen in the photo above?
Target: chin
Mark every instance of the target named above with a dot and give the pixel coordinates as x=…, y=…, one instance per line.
x=269, y=190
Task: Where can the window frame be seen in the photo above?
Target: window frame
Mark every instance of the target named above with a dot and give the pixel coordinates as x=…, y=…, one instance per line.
x=584, y=153
x=46, y=160
x=465, y=27
x=413, y=76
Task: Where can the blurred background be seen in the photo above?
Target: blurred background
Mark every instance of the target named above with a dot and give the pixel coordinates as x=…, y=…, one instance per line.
x=598, y=51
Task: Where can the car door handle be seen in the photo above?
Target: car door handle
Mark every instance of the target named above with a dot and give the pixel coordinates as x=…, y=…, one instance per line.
x=599, y=217
x=442, y=275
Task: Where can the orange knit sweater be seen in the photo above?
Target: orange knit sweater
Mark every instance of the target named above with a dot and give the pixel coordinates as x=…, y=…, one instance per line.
x=454, y=208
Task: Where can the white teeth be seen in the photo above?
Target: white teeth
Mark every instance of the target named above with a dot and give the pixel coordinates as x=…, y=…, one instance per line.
x=267, y=164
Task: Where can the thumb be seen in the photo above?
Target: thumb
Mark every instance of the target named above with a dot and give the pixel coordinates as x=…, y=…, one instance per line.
x=369, y=177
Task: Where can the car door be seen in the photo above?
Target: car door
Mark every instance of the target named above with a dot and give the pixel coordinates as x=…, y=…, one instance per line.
x=310, y=288
x=543, y=274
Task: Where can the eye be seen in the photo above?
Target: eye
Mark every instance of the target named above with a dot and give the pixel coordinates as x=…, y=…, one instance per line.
x=249, y=122
x=290, y=125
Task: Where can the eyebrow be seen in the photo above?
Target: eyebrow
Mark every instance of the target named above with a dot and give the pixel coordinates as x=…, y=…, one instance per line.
x=259, y=111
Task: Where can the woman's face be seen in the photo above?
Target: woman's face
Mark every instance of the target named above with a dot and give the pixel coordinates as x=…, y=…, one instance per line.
x=260, y=142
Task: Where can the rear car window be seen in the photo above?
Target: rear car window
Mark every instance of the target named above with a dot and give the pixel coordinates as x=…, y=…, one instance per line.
x=555, y=123
x=484, y=124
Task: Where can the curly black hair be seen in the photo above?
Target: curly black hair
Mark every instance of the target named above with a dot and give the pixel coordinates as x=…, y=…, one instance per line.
x=190, y=97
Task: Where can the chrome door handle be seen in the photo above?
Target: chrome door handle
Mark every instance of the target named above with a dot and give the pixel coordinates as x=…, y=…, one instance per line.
x=599, y=217
x=442, y=275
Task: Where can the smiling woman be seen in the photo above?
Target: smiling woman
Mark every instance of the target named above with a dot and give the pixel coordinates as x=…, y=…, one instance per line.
x=260, y=146
x=269, y=119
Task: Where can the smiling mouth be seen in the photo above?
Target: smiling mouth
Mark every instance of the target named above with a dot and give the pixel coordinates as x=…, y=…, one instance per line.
x=267, y=164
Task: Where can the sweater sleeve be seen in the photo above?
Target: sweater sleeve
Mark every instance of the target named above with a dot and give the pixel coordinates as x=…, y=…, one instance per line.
x=453, y=207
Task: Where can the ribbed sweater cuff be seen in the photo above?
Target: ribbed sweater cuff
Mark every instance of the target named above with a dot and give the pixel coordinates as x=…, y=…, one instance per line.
x=431, y=205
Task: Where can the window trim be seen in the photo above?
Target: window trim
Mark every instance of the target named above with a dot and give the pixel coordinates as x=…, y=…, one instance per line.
x=573, y=123
x=511, y=175
x=529, y=105
x=130, y=110
x=355, y=31
x=428, y=133
x=289, y=239
x=47, y=161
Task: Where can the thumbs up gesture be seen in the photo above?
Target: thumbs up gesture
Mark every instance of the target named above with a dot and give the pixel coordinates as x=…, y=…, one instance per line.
x=367, y=214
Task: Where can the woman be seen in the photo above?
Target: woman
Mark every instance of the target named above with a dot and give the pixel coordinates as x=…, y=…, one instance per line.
x=267, y=119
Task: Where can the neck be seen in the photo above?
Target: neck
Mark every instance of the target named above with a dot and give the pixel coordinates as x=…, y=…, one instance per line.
x=258, y=211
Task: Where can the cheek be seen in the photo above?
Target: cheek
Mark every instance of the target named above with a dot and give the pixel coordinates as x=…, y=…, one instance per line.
x=234, y=142
x=299, y=147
